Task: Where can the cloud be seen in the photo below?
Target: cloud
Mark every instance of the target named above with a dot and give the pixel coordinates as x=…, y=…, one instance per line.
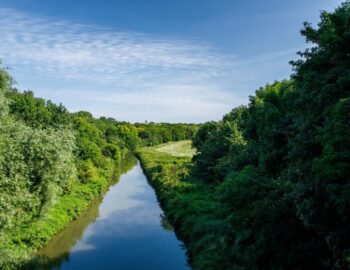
x=68, y=50
x=127, y=75
x=172, y=103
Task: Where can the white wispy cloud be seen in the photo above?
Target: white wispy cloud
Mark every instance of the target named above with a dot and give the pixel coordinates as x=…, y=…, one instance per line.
x=127, y=75
x=72, y=51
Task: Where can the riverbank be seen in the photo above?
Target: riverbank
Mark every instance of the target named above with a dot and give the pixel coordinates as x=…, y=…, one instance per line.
x=124, y=229
x=191, y=206
x=18, y=245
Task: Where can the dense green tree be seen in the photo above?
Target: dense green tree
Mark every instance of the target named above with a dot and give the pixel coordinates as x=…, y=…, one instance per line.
x=4, y=85
x=269, y=188
x=153, y=134
x=36, y=165
x=215, y=142
x=285, y=160
x=37, y=112
x=203, y=134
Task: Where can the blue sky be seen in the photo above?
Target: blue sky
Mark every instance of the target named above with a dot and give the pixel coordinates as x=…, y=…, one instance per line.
x=174, y=61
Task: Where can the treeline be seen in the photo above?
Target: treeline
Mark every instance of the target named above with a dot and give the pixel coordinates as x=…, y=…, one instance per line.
x=157, y=133
x=99, y=144
x=280, y=166
x=53, y=163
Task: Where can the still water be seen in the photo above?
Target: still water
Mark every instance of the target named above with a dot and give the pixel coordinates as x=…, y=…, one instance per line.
x=125, y=229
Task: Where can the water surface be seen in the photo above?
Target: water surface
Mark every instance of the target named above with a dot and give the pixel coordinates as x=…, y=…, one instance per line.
x=124, y=230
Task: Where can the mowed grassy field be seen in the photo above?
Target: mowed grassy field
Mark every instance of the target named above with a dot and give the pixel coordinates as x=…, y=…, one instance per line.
x=176, y=149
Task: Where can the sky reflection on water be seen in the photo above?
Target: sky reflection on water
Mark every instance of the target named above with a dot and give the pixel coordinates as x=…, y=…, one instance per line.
x=124, y=231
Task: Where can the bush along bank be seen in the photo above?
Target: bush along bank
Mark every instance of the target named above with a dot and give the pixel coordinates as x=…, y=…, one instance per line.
x=18, y=245
x=276, y=187
x=52, y=164
x=191, y=207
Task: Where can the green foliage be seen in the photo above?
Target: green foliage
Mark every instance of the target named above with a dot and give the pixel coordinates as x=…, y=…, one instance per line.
x=188, y=204
x=37, y=112
x=37, y=164
x=212, y=161
x=203, y=134
x=269, y=187
x=202, y=214
x=4, y=86
x=158, y=133
x=282, y=163
x=18, y=244
x=52, y=164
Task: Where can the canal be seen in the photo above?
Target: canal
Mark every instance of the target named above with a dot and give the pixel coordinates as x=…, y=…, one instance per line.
x=125, y=229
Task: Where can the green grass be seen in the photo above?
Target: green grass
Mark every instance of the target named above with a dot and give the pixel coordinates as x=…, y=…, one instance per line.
x=18, y=245
x=177, y=149
x=192, y=207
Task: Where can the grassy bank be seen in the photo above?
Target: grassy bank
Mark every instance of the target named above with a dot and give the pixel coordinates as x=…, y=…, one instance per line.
x=18, y=245
x=177, y=149
x=191, y=206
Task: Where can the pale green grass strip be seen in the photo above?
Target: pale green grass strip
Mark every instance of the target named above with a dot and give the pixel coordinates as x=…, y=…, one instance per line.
x=177, y=149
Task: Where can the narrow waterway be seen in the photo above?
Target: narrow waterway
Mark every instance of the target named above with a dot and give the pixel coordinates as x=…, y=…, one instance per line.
x=123, y=230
